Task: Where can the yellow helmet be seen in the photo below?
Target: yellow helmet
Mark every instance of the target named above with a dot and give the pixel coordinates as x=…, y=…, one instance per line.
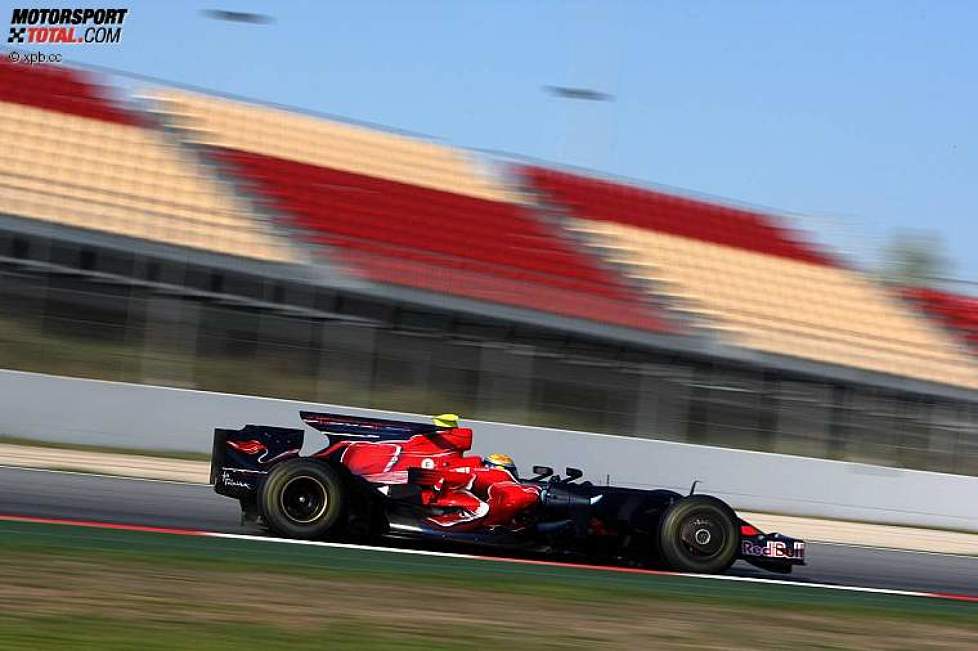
x=497, y=460
x=446, y=420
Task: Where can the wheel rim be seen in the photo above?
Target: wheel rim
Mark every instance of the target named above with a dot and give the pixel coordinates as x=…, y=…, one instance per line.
x=304, y=499
x=703, y=536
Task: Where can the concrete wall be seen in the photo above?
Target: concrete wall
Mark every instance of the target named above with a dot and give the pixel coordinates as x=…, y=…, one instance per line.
x=108, y=413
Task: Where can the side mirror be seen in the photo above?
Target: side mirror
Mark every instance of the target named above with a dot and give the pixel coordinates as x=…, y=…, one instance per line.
x=573, y=474
x=542, y=472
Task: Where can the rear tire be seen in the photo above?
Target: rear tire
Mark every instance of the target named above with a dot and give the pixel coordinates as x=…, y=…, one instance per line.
x=699, y=534
x=303, y=499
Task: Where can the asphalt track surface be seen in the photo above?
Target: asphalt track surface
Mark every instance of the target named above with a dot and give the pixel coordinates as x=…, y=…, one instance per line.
x=52, y=494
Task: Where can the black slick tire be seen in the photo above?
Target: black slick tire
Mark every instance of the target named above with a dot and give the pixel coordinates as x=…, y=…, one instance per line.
x=699, y=534
x=304, y=499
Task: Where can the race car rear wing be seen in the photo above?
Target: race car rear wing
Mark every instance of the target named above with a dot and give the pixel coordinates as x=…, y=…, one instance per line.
x=361, y=427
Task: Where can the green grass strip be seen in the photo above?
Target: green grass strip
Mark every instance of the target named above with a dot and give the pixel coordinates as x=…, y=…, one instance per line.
x=562, y=583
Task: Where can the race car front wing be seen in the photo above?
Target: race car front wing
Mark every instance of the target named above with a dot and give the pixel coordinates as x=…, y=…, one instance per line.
x=770, y=551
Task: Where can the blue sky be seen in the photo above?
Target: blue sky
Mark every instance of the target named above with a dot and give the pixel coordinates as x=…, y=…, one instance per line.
x=858, y=116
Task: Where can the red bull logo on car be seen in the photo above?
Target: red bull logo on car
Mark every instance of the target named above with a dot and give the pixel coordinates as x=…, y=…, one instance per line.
x=773, y=549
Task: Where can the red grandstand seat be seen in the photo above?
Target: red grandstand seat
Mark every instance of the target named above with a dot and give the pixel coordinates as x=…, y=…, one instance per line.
x=956, y=312
x=59, y=89
x=601, y=200
x=431, y=239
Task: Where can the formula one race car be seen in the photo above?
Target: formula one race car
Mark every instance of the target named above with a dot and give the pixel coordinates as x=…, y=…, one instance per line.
x=374, y=478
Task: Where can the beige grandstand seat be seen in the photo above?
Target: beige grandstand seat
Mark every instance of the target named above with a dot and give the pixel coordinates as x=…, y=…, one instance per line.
x=325, y=143
x=784, y=306
x=122, y=179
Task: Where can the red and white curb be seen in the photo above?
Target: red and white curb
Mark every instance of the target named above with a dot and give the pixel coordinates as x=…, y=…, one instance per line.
x=492, y=559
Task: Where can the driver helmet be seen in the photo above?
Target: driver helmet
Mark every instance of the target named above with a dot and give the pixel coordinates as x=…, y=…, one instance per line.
x=447, y=421
x=501, y=461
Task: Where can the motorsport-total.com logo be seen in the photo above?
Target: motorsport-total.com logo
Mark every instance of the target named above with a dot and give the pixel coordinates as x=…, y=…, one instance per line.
x=66, y=26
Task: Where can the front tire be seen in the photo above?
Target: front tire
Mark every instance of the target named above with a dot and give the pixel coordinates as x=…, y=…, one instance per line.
x=303, y=499
x=699, y=534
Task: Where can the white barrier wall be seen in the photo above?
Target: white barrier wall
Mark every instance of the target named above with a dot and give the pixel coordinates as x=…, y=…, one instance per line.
x=131, y=415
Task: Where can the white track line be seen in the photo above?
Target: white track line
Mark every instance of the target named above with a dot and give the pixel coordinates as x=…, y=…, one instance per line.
x=492, y=559
x=556, y=564
x=334, y=545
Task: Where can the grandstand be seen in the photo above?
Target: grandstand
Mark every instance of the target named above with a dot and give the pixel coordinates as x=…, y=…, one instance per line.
x=74, y=158
x=749, y=281
x=400, y=211
x=184, y=238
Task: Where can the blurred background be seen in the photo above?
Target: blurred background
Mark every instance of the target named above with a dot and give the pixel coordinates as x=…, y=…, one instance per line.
x=741, y=225
x=209, y=222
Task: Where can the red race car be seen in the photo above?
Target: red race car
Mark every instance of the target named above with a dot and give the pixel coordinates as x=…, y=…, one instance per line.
x=369, y=478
